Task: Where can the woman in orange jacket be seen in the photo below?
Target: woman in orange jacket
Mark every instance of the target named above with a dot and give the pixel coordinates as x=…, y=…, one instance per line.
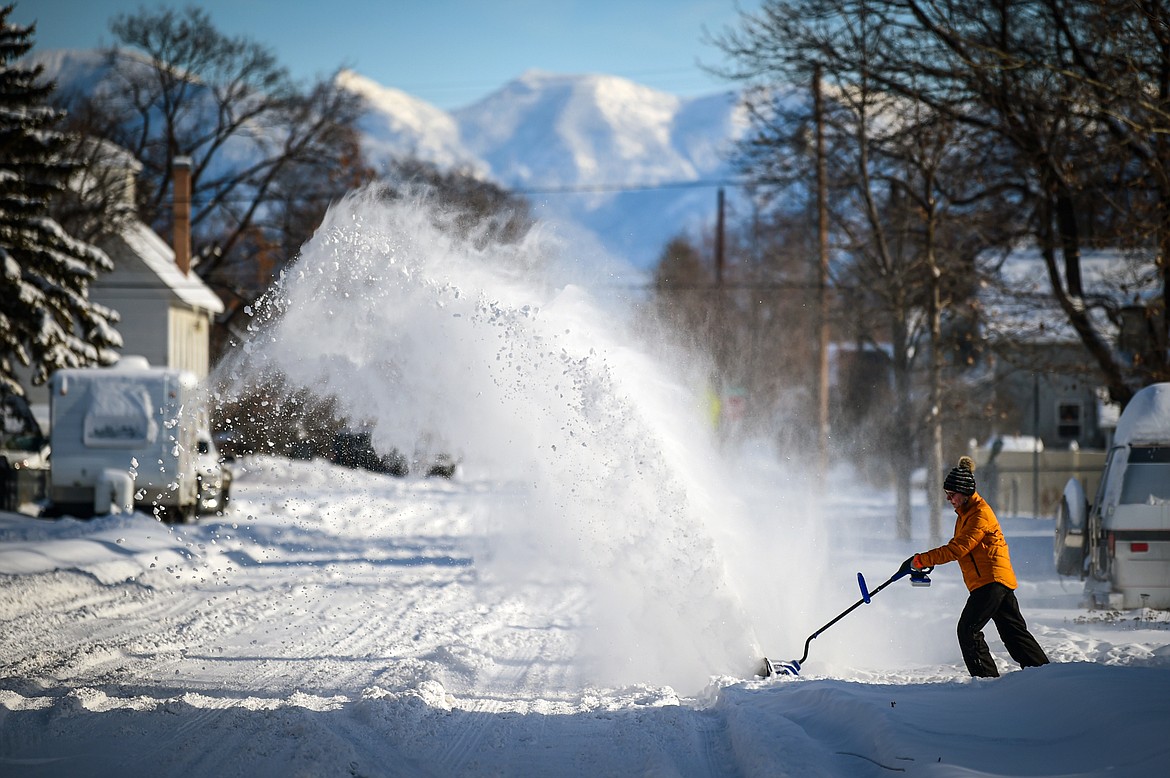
x=982, y=553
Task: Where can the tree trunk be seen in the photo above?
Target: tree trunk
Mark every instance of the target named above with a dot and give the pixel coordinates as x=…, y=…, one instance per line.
x=934, y=475
x=902, y=442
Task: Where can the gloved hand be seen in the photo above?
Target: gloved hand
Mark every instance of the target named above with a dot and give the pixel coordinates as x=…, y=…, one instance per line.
x=919, y=573
x=907, y=566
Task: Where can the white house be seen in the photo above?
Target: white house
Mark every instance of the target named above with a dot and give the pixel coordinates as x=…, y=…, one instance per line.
x=166, y=313
x=166, y=310
x=1043, y=372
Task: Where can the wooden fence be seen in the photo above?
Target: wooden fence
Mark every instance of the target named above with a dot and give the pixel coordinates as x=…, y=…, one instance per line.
x=1023, y=483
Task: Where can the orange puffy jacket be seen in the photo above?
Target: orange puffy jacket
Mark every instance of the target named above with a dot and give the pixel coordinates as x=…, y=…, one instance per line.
x=978, y=545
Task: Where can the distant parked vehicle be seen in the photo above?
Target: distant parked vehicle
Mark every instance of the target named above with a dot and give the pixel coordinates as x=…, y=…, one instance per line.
x=124, y=437
x=214, y=476
x=22, y=442
x=24, y=456
x=1120, y=544
x=442, y=466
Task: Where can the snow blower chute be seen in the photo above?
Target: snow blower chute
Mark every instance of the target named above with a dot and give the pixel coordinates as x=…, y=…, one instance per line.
x=918, y=577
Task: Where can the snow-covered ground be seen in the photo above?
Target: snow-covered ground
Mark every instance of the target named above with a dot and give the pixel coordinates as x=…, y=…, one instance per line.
x=591, y=595
x=340, y=622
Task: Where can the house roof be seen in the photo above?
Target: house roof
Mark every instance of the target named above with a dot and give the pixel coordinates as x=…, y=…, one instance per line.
x=111, y=155
x=160, y=258
x=1018, y=302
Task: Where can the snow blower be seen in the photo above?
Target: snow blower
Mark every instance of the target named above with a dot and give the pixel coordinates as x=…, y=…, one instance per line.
x=918, y=577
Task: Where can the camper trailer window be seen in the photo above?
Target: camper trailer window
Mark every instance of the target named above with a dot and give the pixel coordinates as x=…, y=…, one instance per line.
x=1147, y=475
x=119, y=416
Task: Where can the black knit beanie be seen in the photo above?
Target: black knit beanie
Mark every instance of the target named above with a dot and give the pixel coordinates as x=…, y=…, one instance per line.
x=961, y=479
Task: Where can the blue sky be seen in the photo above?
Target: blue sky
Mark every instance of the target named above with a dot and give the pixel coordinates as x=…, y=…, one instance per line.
x=447, y=52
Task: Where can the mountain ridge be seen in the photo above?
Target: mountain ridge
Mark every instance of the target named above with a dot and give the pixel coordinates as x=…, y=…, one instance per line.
x=595, y=152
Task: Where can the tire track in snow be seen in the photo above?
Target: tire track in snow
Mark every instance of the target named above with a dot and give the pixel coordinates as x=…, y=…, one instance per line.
x=530, y=644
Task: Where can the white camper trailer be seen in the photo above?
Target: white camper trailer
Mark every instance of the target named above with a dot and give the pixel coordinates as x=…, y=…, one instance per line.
x=1120, y=544
x=123, y=437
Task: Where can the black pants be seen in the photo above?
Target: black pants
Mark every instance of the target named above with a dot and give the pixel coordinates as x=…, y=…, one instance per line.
x=995, y=602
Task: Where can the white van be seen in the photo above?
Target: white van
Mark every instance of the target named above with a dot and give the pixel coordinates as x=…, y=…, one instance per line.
x=1120, y=544
x=123, y=437
x=214, y=476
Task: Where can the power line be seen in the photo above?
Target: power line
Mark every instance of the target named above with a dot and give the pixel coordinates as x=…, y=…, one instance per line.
x=530, y=189
x=702, y=183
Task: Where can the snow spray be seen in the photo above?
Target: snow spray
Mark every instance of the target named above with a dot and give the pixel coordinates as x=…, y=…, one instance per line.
x=612, y=479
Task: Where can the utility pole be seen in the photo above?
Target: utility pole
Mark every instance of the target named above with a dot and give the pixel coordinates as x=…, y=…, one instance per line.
x=1036, y=444
x=719, y=240
x=717, y=329
x=822, y=284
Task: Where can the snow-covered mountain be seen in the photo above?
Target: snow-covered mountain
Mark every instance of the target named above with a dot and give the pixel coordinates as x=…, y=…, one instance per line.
x=631, y=165
x=545, y=129
x=75, y=71
x=397, y=124
x=594, y=150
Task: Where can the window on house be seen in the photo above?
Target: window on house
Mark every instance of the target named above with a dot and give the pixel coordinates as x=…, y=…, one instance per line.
x=1068, y=420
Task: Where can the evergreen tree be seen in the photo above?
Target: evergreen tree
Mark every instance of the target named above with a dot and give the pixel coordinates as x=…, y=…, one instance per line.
x=46, y=319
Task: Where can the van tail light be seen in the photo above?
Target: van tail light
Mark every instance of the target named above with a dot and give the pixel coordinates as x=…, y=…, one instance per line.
x=1139, y=548
x=1111, y=543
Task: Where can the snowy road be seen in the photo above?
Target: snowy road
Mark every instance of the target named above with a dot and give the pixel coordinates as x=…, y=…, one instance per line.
x=338, y=622
x=290, y=595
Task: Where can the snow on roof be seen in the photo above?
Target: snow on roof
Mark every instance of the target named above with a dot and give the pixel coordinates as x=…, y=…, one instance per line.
x=1027, y=443
x=1018, y=300
x=1146, y=419
x=160, y=258
x=130, y=362
x=111, y=155
x=1108, y=411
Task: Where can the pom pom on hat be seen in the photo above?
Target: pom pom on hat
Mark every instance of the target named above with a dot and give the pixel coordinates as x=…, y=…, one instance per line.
x=961, y=479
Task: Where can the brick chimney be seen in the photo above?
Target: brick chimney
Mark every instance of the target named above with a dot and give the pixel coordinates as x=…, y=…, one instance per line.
x=182, y=213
